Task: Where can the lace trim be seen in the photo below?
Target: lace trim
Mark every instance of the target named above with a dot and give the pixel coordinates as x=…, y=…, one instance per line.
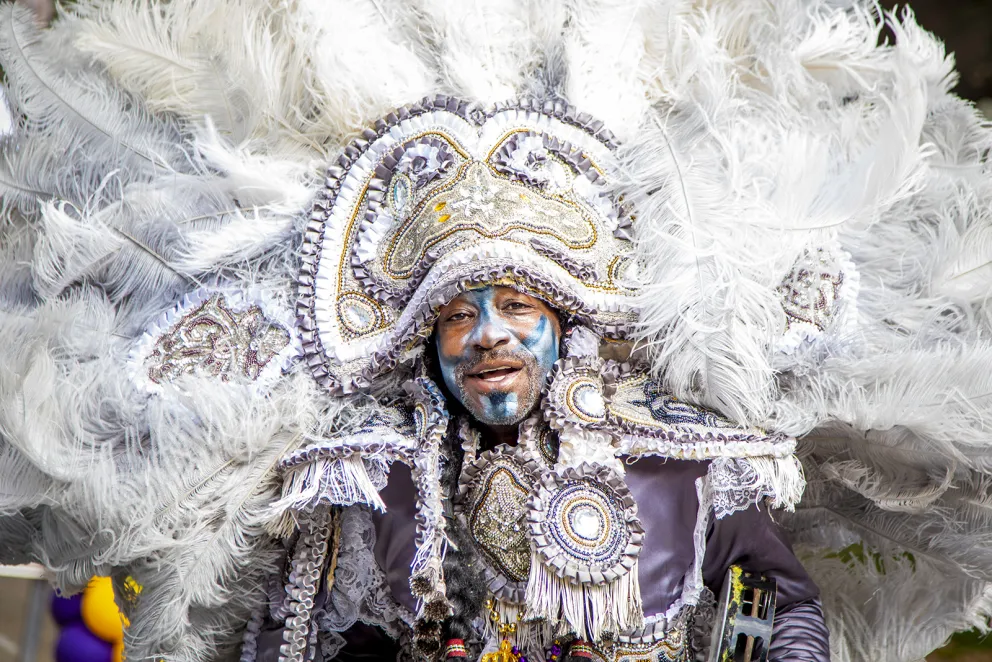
x=693, y=586
x=330, y=644
x=736, y=486
x=738, y=483
x=360, y=591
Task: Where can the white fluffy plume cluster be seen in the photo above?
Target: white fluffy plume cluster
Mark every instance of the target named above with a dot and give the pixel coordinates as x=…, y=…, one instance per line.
x=161, y=146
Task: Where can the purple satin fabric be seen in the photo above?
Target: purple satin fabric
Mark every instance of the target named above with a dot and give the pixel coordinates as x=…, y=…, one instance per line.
x=665, y=492
x=667, y=504
x=396, y=533
x=800, y=634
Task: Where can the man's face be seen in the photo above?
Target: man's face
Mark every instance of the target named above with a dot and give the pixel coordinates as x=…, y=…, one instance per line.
x=496, y=346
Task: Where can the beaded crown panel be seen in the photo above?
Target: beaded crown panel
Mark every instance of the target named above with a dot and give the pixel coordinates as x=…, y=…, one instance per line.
x=442, y=196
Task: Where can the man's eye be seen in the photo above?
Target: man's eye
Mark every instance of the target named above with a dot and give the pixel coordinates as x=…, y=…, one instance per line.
x=457, y=317
x=516, y=305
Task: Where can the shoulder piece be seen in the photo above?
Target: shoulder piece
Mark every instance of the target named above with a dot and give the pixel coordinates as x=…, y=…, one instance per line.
x=388, y=434
x=348, y=468
x=652, y=422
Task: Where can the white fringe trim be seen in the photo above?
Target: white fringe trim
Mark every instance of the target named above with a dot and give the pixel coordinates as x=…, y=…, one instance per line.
x=590, y=609
x=784, y=478
x=341, y=481
x=529, y=634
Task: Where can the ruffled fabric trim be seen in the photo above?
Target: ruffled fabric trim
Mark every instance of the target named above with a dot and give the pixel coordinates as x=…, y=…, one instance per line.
x=495, y=262
x=427, y=575
x=307, y=566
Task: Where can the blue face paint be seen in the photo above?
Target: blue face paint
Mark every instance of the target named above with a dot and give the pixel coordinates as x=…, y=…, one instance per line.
x=525, y=336
x=500, y=406
x=543, y=343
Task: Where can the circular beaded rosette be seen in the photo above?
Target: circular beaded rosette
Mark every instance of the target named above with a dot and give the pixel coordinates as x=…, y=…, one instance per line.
x=493, y=493
x=580, y=392
x=583, y=523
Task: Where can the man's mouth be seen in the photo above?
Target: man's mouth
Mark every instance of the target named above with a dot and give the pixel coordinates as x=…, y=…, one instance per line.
x=494, y=376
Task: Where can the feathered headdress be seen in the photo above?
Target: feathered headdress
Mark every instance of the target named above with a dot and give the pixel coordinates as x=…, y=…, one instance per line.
x=810, y=243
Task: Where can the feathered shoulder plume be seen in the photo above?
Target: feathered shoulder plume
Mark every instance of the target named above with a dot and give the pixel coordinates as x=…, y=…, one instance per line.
x=814, y=248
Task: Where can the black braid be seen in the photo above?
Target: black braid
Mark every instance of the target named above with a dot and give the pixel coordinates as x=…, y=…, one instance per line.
x=466, y=590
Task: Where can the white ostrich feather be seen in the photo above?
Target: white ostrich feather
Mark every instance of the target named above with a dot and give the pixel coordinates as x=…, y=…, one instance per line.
x=860, y=611
x=604, y=47
x=160, y=146
x=49, y=96
x=487, y=51
x=181, y=59
x=28, y=174
x=361, y=64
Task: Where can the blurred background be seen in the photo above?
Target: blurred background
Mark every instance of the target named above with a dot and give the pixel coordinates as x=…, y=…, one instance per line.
x=28, y=630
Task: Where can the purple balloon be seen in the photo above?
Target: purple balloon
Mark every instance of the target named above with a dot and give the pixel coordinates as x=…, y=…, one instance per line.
x=67, y=610
x=77, y=644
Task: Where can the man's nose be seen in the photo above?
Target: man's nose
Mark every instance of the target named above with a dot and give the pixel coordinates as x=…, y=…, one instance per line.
x=491, y=335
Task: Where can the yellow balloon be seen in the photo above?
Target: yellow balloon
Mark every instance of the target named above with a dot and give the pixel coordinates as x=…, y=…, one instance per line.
x=119, y=652
x=100, y=613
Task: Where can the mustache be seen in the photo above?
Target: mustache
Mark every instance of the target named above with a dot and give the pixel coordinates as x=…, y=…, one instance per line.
x=528, y=360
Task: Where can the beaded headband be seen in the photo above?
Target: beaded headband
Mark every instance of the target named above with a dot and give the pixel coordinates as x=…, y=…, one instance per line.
x=443, y=196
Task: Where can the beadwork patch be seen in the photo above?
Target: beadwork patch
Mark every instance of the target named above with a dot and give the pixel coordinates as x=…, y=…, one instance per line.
x=493, y=493
x=225, y=335
x=579, y=391
x=655, y=422
x=818, y=295
x=584, y=524
x=673, y=644
x=357, y=313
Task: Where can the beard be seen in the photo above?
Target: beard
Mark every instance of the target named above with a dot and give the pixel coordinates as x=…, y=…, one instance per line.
x=502, y=407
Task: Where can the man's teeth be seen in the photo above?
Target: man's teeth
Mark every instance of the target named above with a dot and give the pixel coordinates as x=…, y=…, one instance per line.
x=488, y=372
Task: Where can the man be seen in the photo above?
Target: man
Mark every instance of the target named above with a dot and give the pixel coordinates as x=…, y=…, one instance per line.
x=495, y=347
x=537, y=496
x=261, y=417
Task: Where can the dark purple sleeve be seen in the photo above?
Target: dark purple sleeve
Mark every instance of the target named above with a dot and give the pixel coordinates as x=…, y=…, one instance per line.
x=800, y=634
x=396, y=533
x=753, y=540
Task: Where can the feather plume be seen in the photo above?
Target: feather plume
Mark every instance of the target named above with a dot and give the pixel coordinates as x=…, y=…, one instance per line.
x=861, y=612
x=604, y=48
x=753, y=130
x=47, y=98
x=361, y=63
x=485, y=51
